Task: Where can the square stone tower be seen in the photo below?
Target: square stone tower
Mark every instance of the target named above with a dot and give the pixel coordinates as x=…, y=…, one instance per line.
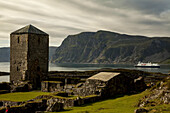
x=29, y=49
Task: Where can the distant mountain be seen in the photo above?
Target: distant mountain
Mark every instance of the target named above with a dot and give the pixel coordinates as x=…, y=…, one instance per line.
x=5, y=53
x=109, y=47
x=52, y=52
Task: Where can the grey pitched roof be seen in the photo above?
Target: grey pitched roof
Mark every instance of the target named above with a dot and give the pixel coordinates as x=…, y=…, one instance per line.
x=104, y=76
x=29, y=29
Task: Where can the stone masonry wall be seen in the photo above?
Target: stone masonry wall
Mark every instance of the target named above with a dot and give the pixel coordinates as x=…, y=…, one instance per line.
x=18, y=56
x=47, y=86
x=29, y=57
x=38, y=57
x=120, y=84
x=117, y=86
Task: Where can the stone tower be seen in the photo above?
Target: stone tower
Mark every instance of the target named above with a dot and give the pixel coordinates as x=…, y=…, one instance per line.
x=29, y=49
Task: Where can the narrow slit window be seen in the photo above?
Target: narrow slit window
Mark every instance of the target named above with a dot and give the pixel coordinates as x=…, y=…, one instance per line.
x=17, y=68
x=18, y=40
x=38, y=40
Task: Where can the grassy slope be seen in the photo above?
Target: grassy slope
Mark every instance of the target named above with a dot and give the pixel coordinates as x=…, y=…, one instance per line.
x=119, y=105
x=167, y=61
x=21, y=96
x=123, y=104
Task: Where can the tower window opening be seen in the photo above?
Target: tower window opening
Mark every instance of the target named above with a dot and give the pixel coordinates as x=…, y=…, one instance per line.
x=38, y=68
x=38, y=40
x=18, y=40
x=17, y=68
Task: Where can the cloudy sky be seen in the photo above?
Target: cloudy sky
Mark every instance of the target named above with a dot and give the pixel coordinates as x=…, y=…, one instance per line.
x=60, y=18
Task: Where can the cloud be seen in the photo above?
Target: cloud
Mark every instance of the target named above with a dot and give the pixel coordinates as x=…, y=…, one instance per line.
x=60, y=18
x=165, y=14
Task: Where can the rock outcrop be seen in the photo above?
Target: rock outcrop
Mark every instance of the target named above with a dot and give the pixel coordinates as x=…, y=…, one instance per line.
x=158, y=95
x=141, y=110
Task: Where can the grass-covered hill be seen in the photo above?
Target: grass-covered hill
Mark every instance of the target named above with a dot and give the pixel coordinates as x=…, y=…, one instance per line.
x=110, y=47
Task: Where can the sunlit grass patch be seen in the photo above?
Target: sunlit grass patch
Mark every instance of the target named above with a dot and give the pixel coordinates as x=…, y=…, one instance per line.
x=125, y=104
x=21, y=96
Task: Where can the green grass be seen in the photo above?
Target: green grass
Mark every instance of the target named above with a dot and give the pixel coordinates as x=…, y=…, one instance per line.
x=123, y=104
x=21, y=96
x=167, y=61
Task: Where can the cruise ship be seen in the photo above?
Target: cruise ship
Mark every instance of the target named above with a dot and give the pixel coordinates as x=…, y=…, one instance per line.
x=147, y=65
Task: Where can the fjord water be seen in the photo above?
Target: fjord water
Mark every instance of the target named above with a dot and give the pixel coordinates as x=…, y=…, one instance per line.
x=5, y=67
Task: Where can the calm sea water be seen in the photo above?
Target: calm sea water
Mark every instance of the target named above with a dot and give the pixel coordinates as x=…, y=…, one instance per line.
x=5, y=67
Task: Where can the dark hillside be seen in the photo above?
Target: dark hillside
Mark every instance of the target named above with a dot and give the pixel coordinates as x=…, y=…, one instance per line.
x=109, y=47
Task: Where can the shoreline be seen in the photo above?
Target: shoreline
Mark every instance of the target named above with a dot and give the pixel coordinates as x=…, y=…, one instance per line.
x=4, y=73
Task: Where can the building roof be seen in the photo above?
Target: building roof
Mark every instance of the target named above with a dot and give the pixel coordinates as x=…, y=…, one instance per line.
x=29, y=29
x=104, y=76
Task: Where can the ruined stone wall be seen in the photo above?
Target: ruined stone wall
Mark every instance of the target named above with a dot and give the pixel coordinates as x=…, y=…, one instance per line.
x=90, y=87
x=30, y=107
x=18, y=56
x=45, y=86
x=117, y=85
x=38, y=57
x=51, y=87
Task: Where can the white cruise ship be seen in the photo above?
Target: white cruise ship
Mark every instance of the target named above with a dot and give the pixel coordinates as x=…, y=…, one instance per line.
x=147, y=65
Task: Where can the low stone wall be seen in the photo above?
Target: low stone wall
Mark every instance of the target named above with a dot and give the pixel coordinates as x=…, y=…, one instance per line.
x=74, y=102
x=66, y=102
x=30, y=107
x=51, y=86
x=86, y=100
x=10, y=103
x=50, y=104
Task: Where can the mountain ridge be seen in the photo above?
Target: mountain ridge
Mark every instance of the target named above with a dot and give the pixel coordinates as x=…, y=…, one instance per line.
x=109, y=47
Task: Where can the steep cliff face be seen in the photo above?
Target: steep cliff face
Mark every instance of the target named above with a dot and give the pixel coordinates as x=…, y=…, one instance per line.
x=110, y=47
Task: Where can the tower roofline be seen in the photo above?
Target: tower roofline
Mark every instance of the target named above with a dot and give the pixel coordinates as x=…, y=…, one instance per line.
x=29, y=29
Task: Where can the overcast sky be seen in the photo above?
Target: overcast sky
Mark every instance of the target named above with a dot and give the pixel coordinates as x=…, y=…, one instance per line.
x=60, y=18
